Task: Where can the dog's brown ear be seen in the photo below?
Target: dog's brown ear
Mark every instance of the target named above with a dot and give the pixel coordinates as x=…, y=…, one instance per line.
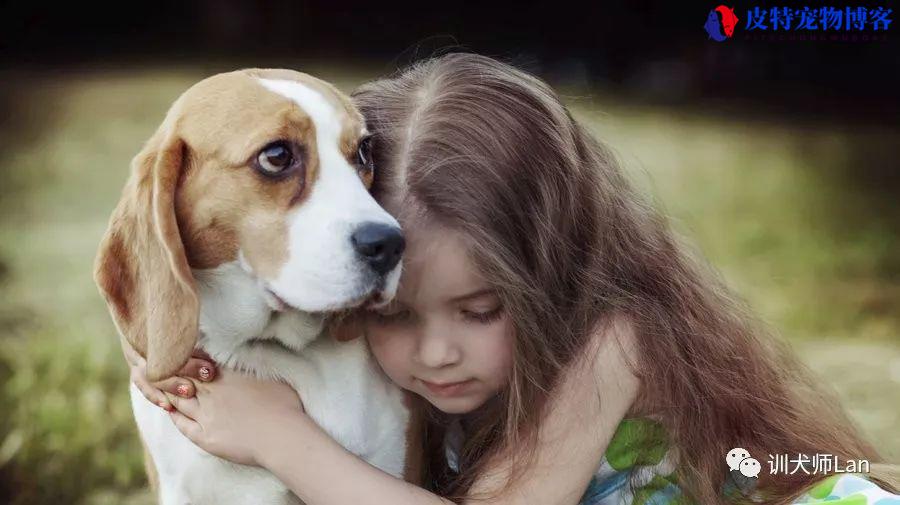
x=345, y=326
x=141, y=268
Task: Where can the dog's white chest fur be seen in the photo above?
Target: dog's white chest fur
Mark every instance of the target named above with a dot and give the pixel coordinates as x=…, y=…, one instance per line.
x=342, y=389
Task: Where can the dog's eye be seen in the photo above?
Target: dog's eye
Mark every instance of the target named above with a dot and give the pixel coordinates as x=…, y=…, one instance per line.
x=364, y=154
x=275, y=158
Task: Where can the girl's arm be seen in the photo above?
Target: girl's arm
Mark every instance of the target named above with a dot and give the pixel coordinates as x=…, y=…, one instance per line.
x=592, y=399
x=321, y=472
x=572, y=439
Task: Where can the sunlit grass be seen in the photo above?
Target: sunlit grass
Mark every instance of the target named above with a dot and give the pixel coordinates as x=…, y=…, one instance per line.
x=753, y=196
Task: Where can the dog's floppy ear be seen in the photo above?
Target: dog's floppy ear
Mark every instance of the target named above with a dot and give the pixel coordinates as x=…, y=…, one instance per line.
x=141, y=268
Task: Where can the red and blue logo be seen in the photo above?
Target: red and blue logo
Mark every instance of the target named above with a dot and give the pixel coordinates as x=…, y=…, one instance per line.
x=720, y=23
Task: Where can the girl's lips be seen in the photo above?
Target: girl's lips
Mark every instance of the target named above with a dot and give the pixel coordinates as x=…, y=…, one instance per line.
x=447, y=389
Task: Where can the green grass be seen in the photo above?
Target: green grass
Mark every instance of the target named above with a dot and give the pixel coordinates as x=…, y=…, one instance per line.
x=778, y=207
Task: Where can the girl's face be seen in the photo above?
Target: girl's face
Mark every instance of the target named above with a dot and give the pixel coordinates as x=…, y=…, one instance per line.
x=445, y=336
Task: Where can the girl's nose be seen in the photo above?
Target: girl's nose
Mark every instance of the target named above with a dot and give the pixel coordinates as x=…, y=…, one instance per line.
x=437, y=350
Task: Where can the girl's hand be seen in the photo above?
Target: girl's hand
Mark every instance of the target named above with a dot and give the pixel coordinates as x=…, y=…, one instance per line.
x=237, y=415
x=199, y=367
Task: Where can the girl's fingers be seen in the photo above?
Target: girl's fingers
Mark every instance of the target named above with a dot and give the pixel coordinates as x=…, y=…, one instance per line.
x=152, y=394
x=199, y=368
x=187, y=426
x=178, y=386
x=187, y=406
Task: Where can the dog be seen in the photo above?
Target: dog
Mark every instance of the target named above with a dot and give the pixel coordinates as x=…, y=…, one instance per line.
x=245, y=222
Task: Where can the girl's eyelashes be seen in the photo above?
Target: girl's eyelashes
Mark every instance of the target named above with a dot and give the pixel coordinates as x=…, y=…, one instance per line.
x=393, y=314
x=485, y=317
x=397, y=316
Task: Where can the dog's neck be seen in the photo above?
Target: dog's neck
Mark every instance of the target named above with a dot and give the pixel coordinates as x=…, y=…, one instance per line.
x=235, y=313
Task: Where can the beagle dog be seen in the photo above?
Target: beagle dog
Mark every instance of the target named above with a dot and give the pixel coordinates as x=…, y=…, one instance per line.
x=246, y=221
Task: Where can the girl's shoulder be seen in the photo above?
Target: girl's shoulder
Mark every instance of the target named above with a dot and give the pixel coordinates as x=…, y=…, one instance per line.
x=848, y=489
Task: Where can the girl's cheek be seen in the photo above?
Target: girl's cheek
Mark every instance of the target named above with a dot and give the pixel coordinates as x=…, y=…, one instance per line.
x=391, y=353
x=502, y=351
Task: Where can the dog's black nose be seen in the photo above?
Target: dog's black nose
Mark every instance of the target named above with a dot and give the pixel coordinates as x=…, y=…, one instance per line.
x=379, y=245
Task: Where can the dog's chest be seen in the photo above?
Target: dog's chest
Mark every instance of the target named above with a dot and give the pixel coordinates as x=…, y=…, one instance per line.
x=188, y=475
x=250, y=485
x=343, y=391
x=340, y=385
x=342, y=388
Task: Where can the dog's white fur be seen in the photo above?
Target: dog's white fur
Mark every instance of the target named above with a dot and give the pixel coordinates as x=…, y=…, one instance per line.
x=341, y=386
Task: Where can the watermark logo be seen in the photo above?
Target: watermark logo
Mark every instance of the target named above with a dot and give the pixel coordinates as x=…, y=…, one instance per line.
x=818, y=464
x=845, y=19
x=847, y=23
x=740, y=460
x=744, y=469
x=720, y=23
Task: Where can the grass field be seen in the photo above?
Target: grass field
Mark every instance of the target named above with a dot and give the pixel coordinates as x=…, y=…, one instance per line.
x=790, y=213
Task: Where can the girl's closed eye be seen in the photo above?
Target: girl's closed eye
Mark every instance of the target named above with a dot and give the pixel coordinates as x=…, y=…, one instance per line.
x=483, y=316
x=393, y=313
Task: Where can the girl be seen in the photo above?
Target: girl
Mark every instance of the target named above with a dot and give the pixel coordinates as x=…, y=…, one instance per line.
x=568, y=348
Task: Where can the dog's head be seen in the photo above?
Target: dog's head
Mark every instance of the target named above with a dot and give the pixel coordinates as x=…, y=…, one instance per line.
x=266, y=167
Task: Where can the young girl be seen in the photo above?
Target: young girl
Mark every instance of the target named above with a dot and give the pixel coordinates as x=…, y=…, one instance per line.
x=568, y=348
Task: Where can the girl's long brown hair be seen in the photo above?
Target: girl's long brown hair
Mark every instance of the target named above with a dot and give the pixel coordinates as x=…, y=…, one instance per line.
x=490, y=151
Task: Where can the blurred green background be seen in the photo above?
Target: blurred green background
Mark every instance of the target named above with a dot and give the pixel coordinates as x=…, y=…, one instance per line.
x=796, y=214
